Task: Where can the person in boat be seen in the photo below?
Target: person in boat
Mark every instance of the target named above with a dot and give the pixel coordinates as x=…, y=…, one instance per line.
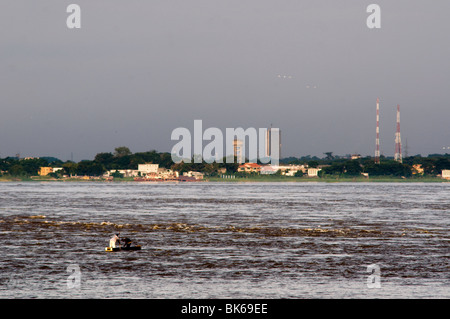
x=115, y=239
x=126, y=242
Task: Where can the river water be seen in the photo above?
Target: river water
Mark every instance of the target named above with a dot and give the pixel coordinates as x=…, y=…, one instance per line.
x=225, y=240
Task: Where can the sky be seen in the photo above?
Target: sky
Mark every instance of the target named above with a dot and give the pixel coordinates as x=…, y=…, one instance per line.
x=136, y=70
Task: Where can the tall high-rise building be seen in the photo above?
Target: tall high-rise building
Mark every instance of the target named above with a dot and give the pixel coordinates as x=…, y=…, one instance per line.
x=273, y=143
x=237, y=151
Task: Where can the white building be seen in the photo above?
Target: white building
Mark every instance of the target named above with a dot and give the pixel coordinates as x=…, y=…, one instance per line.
x=166, y=173
x=446, y=173
x=268, y=169
x=145, y=169
x=313, y=172
x=197, y=175
x=124, y=172
x=290, y=170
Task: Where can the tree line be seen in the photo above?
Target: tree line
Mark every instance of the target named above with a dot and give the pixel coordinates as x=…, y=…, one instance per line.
x=337, y=166
x=123, y=158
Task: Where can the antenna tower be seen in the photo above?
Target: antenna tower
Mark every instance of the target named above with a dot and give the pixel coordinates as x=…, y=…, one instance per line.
x=398, y=140
x=377, y=149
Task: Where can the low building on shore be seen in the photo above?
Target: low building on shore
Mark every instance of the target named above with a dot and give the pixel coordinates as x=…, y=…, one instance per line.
x=291, y=170
x=148, y=168
x=268, y=169
x=44, y=171
x=123, y=172
x=196, y=175
x=165, y=173
x=249, y=168
x=313, y=171
x=417, y=169
x=446, y=173
x=149, y=171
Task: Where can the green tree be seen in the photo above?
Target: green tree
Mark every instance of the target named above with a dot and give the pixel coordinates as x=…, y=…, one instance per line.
x=329, y=156
x=17, y=170
x=313, y=164
x=31, y=166
x=122, y=162
x=429, y=167
x=90, y=168
x=230, y=167
x=165, y=160
x=389, y=168
x=299, y=173
x=122, y=151
x=104, y=158
x=352, y=168
x=117, y=174
x=442, y=163
x=70, y=168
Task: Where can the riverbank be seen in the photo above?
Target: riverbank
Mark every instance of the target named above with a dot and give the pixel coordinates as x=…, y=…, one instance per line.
x=381, y=179
x=250, y=179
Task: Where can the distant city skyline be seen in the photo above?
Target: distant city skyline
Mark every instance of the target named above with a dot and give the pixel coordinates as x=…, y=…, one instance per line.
x=137, y=70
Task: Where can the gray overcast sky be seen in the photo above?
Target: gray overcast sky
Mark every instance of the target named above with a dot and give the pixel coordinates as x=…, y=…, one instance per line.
x=136, y=70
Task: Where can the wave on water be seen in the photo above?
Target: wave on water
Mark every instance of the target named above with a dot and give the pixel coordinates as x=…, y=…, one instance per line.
x=41, y=223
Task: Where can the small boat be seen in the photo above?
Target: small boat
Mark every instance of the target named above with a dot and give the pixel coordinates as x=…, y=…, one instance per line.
x=109, y=249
